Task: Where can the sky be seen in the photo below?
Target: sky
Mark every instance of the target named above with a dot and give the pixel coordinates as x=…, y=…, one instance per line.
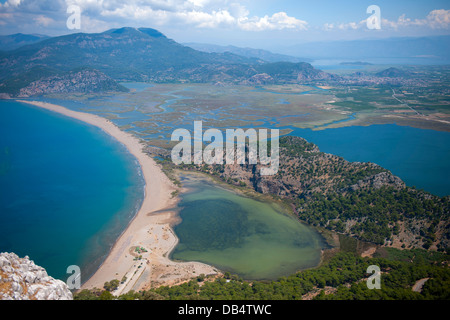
x=250, y=23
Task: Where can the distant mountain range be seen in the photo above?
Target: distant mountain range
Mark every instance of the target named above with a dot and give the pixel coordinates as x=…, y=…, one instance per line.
x=247, y=52
x=14, y=41
x=130, y=54
x=53, y=64
x=433, y=48
x=356, y=63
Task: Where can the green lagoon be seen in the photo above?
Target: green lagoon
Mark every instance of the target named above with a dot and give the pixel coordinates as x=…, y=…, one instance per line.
x=252, y=238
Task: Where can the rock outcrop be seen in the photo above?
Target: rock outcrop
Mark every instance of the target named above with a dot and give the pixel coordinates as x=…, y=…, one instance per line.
x=378, y=181
x=81, y=81
x=260, y=79
x=305, y=170
x=21, y=279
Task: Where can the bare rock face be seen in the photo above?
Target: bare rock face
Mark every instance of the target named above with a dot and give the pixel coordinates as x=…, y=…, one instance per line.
x=83, y=81
x=379, y=180
x=261, y=79
x=21, y=279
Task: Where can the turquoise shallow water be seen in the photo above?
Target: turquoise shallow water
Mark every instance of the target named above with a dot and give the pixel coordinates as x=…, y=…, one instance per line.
x=67, y=190
x=254, y=239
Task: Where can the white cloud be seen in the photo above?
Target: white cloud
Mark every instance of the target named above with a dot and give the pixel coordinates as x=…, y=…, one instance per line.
x=328, y=26
x=278, y=21
x=199, y=3
x=436, y=19
x=439, y=19
x=43, y=20
x=351, y=25
x=197, y=13
x=10, y=3
x=99, y=15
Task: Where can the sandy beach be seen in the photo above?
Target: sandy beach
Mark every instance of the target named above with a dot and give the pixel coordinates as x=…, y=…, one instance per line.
x=140, y=256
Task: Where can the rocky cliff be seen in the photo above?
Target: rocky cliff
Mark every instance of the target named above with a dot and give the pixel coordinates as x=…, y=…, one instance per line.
x=21, y=279
x=80, y=81
x=305, y=170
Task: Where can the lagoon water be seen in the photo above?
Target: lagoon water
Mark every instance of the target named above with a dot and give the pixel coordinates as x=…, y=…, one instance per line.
x=67, y=190
x=245, y=236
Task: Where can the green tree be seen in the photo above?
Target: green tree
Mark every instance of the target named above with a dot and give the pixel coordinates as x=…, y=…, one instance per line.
x=111, y=285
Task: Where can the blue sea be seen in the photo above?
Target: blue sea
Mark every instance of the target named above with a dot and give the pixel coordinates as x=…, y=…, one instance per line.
x=67, y=189
x=421, y=158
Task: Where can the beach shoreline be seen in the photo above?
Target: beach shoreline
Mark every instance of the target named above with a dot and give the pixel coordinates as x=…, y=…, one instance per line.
x=139, y=258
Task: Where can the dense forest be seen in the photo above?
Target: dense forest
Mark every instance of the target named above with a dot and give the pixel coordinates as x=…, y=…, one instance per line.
x=343, y=277
x=378, y=215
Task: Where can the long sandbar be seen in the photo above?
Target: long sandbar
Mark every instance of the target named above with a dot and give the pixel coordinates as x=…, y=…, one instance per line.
x=151, y=228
